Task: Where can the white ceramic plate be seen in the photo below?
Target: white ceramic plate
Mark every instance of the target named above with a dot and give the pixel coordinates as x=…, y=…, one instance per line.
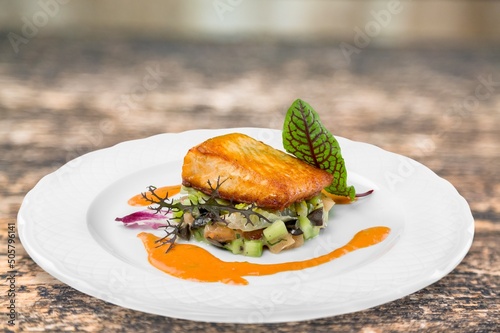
x=66, y=224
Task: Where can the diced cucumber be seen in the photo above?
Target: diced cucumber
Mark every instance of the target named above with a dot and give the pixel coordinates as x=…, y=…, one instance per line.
x=307, y=228
x=316, y=230
x=222, y=201
x=198, y=234
x=301, y=208
x=241, y=205
x=193, y=199
x=236, y=246
x=316, y=201
x=195, y=212
x=193, y=192
x=253, y=248
x=282, y=244
x=275, y=232
x=177, y=214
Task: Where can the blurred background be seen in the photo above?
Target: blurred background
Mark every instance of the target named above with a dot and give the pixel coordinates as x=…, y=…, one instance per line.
x=292, y=20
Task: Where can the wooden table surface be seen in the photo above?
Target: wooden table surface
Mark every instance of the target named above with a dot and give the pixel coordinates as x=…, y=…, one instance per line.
x=441, y=106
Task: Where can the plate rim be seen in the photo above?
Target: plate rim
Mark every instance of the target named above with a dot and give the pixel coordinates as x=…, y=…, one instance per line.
x=60, y=275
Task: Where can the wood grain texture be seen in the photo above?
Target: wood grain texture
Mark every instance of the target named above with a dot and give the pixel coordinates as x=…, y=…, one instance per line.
x=62, y=98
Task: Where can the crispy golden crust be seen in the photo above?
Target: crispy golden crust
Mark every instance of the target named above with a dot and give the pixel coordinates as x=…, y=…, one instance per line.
x=253, y=172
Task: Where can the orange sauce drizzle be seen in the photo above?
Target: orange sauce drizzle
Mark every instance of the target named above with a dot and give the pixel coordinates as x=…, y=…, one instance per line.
x=138, y=200
x=337, y=198
x=191, y=262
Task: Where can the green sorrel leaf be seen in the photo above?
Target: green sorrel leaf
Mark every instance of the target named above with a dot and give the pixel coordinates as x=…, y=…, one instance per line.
x=305, y=137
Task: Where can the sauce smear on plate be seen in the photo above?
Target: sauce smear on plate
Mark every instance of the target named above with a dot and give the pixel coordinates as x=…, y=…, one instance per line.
x=191, y=262
x=138, y=200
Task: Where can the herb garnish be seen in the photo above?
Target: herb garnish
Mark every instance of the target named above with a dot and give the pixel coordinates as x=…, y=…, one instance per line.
x=305, y=137
x=211, y=209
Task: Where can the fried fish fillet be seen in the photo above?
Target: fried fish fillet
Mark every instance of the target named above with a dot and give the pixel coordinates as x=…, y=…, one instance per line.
x=252, y=171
